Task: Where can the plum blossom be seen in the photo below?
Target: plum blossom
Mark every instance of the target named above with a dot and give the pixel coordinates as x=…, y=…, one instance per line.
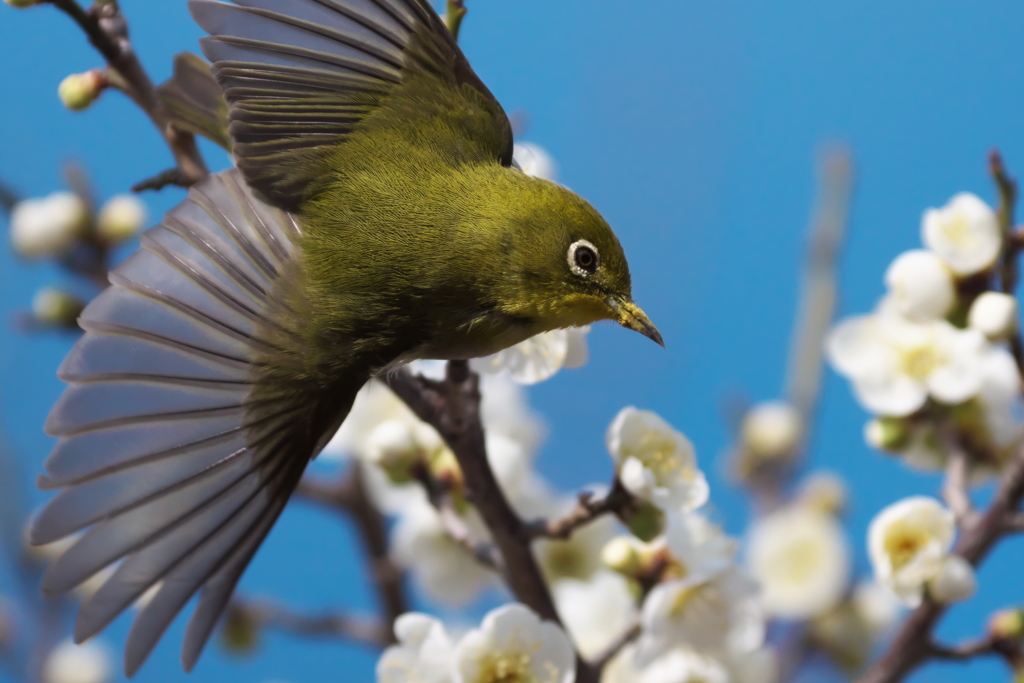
x=121, y=218
x=424, y=653
x=48, y=226
x=994, y=314
x=656, y=462
x=772, y=429
x=908, y=543
x=86, y=663
x=513, y=644
x=895, y=364
x=532, y=159
x=955, y=581
x=595, y=612
x=540, y=357
x=921, y=285
x=965, y=233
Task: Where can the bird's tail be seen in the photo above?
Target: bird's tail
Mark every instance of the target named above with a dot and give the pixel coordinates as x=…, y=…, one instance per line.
x=175, y=454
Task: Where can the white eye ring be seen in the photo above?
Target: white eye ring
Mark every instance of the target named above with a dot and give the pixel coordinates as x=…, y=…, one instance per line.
x=582, y=270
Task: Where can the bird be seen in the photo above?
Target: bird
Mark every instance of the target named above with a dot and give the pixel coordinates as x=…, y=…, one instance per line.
x=373, y=217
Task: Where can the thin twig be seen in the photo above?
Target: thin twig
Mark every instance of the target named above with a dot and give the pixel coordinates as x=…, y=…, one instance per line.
x=348, y=495
x=329, y=624
x=587, y=510
x=954, y=488
x=616, y=646
x=107, y=30
x=1009, y=269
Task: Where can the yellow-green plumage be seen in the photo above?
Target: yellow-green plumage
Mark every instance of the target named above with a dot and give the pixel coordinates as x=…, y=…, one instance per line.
x=374, y=219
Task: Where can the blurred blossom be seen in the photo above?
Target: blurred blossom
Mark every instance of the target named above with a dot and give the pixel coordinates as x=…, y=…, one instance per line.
x=823, y=491
x=876, y=607
x=534, y=160
x=699, y=545
x=577, y=557
x=513, y=644
x=56, y=308
x=48, y=226
x=965, y=233
x=120, y=218
x=596, y=612
x=772, y=429
x=896, y=364
x=995, y=315
x=540, y=357
x=800, y=558
x=424, y=652
x=954, y=582
x=656, y=462
x=908, y=543
x=921, y=285
x=70, y=663
x=439, y=567
x=712, y=613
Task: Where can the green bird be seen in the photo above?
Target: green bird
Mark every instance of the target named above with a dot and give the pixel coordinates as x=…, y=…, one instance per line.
x=375, y=217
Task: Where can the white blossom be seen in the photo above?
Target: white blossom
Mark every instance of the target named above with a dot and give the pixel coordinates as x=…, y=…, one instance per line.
x=424, y=652
x=538, y=358
x=48, y=226
x=772, y=429
x=532, y=159
x=595, y=612
x=439, y=567
x=823, y=491
x=800, y=558
x=994, y=314
x=965, y=233
x=513, y=644
x=896, y=364
x=921, y=285
x=656, y=462
x=955, y=581
x=876, y=607
x=699, y=545
x=86, y=663
x=908, y=543
x=576, y=557
x=710, y=613
x=120, y=218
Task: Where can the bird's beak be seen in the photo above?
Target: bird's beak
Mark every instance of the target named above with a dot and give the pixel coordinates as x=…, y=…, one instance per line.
x=628, y=314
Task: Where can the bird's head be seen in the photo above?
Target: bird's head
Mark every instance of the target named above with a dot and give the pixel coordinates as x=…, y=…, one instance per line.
x=567, y=265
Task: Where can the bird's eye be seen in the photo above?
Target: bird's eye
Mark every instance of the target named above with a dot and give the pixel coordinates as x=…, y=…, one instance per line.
x=583, y=258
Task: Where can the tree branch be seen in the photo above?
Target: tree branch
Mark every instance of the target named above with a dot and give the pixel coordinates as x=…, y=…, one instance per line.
x=107, y=30
x=264, y=614
x=1009, y=269
x=586, y=511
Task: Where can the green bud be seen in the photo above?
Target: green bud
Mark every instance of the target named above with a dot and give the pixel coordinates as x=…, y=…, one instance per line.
x=890, y=434
x=644, y=520
x=78, y=91
x=21, y=4
x=56, y=308
x=120, y=218
x=1007, y=624
x=240, y=634
x=622, y=555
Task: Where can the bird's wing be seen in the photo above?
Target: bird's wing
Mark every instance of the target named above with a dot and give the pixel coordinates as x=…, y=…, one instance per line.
x=300, y=76
x=193, y=99
x=173, y=456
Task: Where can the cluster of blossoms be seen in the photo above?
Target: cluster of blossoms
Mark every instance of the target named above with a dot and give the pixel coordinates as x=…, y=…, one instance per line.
x=931, y=364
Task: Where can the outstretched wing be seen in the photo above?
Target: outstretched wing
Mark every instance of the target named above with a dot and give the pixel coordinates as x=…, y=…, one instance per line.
x=300, y=76
x=175, y=453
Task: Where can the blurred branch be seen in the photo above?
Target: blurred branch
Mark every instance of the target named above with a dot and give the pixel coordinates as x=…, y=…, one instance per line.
x=981, y=647
x=8, y=198
x=586, y=511
x=107, y=30
x=348, y=495
x=954, y=487
x=609, y=653
x=1009, y=269
x=263, y=614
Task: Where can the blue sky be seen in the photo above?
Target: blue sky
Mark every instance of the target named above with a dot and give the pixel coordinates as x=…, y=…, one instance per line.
x=694, y=128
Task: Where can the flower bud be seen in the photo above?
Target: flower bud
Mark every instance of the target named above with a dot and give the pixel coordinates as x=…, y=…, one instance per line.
x=965, y=233
x=824, y=492
x=955, y=581
x=995, y=315
x=120, y=218
x=891, y=434
x=70, y=663
x=921, y=285
x=48, y=226
x=240, y=633
x=393, y=448
x=444, y=467
x=78, y=91
x=534, y=160
x=56, y=308
x=644, y=520
x=1007, y=624
x=772, y=429
x=622, y=554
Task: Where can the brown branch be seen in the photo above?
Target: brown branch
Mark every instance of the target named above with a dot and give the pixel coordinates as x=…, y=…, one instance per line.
x=586, y=511
x=348, y=495
x=262, y=614
x=107, y=30
x=1009, y=269
x=954, y=488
